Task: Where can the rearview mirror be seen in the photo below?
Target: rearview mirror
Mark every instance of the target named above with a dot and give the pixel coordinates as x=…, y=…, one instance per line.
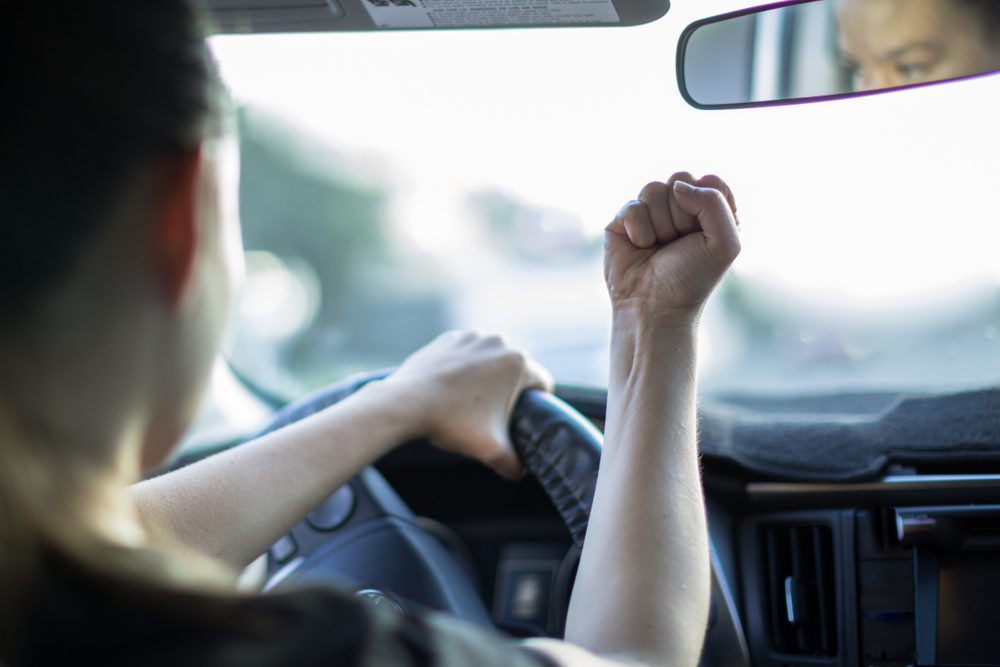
x=810, y=50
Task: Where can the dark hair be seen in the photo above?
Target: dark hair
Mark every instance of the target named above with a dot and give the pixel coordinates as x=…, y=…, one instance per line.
x=95, y=90
x=988, y=12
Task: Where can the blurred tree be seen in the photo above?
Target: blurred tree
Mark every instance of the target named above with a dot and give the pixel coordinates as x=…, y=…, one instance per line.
x=301, y=202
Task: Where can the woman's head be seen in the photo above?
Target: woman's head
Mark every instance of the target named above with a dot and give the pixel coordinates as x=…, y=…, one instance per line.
x=116, y=247
x=890, y=43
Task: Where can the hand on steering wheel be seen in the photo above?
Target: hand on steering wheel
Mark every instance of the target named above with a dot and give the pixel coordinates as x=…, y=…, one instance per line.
x=463, y=387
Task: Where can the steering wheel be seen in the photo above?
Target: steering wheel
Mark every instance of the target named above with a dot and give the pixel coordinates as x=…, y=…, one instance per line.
x=365, y=537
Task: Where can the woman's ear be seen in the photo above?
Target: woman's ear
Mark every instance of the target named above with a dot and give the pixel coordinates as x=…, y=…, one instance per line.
x=176, y=238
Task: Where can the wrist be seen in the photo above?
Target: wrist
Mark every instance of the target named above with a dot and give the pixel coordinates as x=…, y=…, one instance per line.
x=397, y=406
x=645, y=346
x=636, y=321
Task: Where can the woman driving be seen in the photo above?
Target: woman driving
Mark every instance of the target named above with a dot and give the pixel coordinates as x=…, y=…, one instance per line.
x=120, y=252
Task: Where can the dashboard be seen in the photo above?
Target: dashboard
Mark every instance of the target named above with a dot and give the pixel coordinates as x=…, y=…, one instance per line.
x=896, y=571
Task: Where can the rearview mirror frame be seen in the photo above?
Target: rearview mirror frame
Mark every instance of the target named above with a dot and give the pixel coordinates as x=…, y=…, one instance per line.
x=685, y=38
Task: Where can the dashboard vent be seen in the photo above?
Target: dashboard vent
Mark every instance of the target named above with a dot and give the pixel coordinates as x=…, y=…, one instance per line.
x=800, y=594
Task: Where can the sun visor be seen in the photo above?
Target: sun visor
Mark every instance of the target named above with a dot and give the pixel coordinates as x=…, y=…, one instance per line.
x=262, y=16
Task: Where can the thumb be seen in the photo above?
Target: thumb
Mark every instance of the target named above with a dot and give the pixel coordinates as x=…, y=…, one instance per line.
x=714, y=216
x=507, y=464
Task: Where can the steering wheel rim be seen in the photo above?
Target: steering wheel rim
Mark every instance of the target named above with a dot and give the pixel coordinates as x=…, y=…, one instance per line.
x=557, y=445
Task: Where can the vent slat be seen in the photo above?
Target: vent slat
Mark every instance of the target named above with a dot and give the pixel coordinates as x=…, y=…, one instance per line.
x=822, y=614
x=771, y=549
x=799, y=577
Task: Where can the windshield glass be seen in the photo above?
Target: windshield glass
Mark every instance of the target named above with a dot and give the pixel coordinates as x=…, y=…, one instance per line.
x=396, y=185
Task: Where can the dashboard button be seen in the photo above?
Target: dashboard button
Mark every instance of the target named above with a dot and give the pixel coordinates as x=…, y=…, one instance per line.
x=333, y=512
x=284, y=548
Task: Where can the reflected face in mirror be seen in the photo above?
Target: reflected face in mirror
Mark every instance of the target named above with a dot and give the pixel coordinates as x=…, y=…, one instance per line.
x=890, y=43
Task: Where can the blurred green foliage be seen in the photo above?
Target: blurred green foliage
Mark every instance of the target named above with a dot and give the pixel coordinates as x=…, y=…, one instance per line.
x=300, y=201
x=297, y=200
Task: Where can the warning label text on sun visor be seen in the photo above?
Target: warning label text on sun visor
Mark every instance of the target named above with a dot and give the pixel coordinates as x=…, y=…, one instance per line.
x=469, y=13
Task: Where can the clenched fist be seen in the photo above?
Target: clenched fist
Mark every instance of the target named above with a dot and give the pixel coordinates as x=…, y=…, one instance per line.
x=667, y=250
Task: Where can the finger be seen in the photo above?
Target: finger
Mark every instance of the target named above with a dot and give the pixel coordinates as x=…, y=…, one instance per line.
x=716, y=182
x=525, y=373
x=714, y=215
x=656, y=197
x=683, y=220
x=713, y=181
x=637, y=224
x=494, y=341
x=537, y=376
x=617, y=224
x=507, y=465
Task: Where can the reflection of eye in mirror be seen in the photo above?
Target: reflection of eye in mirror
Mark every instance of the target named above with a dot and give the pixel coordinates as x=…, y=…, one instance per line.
x=809, y=49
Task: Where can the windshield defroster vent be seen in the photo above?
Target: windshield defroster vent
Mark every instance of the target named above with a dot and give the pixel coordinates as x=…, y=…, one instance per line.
x=800, y=589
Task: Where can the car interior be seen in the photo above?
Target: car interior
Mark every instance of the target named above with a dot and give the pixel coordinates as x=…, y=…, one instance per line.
x=849, y=420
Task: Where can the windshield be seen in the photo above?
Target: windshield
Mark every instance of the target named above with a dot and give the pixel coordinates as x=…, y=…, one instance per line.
x=396, y=185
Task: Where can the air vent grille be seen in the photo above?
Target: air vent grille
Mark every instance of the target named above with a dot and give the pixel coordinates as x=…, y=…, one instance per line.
x=800, y=594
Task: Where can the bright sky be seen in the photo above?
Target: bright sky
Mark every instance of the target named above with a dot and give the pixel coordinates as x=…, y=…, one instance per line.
x=875, y=197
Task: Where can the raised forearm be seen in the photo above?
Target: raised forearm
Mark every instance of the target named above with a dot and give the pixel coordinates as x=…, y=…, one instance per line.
x=643, y=586
x=234, y=505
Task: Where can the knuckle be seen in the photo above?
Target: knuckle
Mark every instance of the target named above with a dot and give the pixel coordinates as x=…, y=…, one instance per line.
x=626, y=207
x=632, y=209
x=627, y=213
x=716, y=182
x=715, y=196
x=516, y=358
x=653, y=189
x=634, y=213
